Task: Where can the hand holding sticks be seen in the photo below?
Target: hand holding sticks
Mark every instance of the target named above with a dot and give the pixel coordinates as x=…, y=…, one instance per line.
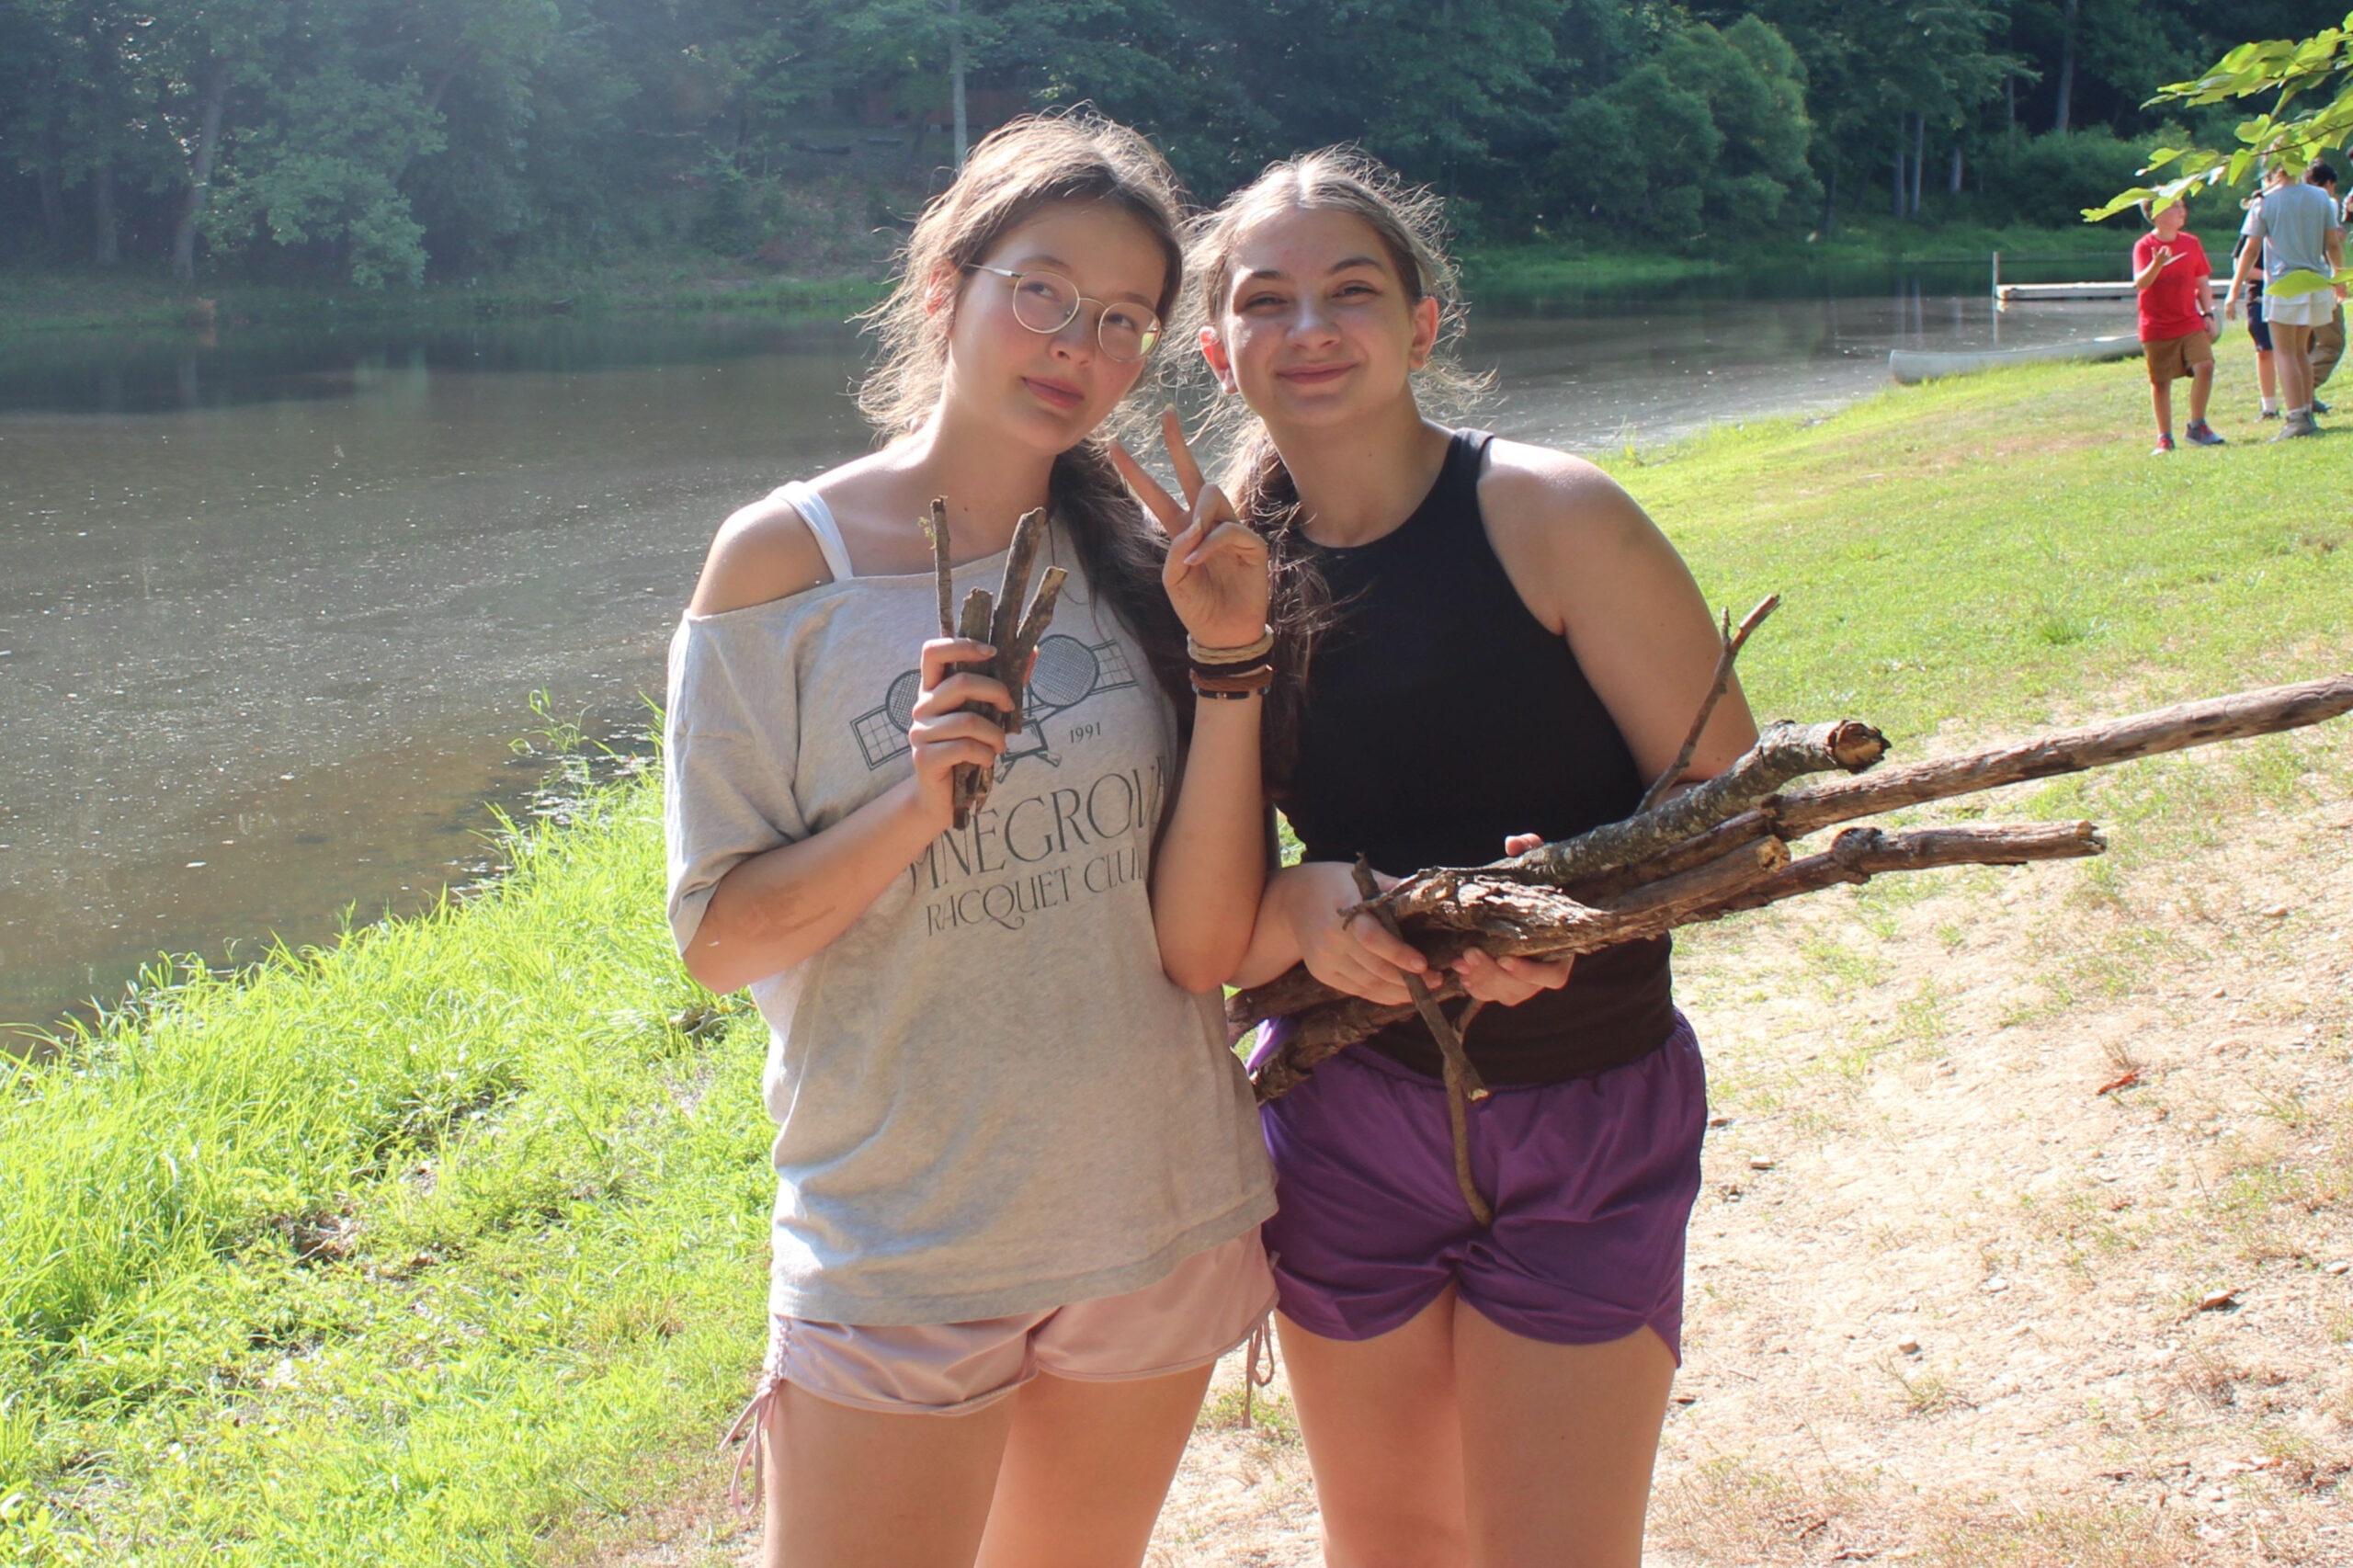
x=999, y=620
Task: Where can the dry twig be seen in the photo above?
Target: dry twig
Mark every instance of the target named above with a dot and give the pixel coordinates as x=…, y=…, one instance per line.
x=1733, y=642
x=1462, y=1081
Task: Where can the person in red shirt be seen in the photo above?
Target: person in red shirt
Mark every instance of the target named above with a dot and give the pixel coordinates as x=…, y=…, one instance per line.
x=2174, y=280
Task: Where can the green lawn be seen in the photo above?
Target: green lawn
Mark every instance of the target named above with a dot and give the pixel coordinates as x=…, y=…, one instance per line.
x=408, y=1253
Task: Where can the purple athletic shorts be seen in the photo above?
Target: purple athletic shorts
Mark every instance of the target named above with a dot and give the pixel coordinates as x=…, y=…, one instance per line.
x=1592, y=1182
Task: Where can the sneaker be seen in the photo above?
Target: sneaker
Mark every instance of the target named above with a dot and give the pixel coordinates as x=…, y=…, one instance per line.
x=2164, y=444
x=2297, y=425
x=2201, y=434
x=2319, y=407
x=2268, y=413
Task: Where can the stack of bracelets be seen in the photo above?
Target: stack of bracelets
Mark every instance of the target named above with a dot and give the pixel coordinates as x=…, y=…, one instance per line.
x=1232, y=673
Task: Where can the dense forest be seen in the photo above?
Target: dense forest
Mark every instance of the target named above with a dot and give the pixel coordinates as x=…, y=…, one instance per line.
x=393, y=140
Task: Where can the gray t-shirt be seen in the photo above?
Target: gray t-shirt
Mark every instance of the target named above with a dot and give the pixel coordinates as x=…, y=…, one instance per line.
x=2293, y=223
x=989, y=1098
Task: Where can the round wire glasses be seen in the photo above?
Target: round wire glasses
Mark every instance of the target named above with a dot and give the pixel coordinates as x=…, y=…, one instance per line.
x=1048, y=301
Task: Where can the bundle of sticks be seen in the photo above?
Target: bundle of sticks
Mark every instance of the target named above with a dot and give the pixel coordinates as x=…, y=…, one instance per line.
x=1721, y=847
x=999, y=620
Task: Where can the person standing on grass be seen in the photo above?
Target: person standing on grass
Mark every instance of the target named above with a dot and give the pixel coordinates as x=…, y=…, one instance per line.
x=2328, y=337
x=1476, y=640
x=1020, y=1179
x=2267, y=374
x=2301, y=233
x=2172, y=283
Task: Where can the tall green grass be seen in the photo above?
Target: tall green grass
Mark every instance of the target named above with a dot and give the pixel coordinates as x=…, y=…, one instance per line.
x=399, y=1252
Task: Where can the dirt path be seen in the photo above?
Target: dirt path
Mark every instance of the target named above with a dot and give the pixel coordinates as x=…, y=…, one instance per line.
x=2026, y=1231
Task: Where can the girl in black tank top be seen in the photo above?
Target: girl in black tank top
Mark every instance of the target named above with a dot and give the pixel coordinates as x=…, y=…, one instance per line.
x=1414, y=750
x=1478, y=641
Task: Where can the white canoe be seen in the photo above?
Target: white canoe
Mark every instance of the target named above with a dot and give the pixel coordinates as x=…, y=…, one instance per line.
x=1910, y=366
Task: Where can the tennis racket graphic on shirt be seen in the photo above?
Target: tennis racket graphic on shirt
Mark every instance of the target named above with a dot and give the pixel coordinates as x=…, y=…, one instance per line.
x=1067, y=673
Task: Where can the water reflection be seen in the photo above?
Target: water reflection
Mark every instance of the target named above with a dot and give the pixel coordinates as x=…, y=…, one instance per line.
x=225, y=366
x=271, y=603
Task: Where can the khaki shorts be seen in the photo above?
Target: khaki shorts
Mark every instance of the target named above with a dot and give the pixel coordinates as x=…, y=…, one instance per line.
x=2172, y=358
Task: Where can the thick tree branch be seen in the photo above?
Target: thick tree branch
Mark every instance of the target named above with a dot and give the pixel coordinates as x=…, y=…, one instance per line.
x=2264, y=711
x=1784, y=752
x=1314, y=1031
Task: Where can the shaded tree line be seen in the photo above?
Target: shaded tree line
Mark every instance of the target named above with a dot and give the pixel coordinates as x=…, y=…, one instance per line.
x=384, y=140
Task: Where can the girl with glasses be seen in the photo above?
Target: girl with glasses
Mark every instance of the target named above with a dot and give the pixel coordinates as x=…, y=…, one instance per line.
x=1019, y=1177
x=1479, y=640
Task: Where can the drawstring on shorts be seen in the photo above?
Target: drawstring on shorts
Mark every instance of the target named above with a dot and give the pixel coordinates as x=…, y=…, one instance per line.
x=751, y=1423
x=1257, y=1365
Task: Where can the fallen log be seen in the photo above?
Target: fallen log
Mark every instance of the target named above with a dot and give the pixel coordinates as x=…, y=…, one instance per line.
x=1641, y=878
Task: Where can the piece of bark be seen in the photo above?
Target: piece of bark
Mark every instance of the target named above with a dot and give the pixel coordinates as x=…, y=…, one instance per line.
x=1031, y=631
x=1313, y=1032
x=1734, y=642
x=1784, y=752
x=943, y=574
x=2262, y=712
x=1861, y=853
x=1013, y=588
x=971, y=781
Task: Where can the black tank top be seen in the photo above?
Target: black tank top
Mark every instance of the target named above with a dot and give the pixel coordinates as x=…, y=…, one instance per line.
x=1440, y=716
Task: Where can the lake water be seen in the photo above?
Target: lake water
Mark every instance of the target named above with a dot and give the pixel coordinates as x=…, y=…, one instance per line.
x=272, y=604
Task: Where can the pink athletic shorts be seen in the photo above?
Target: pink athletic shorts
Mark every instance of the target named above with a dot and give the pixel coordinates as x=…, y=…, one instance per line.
x=1205, y=1307
x=1210, y=1303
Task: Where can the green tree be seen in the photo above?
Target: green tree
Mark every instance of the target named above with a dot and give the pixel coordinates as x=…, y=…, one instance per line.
x=321, y=166
x=1710, y=131
x=1880, y=75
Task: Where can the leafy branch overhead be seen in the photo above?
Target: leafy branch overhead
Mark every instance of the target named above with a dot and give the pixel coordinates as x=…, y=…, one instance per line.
x=2309, y=84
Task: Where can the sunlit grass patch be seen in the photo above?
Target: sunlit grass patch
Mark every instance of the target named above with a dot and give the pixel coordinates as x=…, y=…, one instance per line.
x=395, y=1252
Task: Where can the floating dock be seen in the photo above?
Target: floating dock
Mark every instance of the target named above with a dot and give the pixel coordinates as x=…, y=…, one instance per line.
x=2021, y=293
x=2027, y=293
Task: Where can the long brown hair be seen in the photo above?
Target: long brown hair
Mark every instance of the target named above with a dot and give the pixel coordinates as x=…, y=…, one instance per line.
x=1012, y=174
x=1409, y=222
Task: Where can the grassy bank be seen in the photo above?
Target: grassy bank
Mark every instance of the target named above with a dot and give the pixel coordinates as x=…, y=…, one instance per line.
x=850, y=277
x=402, y=1252
x=1572, y=266
x=411, y=1252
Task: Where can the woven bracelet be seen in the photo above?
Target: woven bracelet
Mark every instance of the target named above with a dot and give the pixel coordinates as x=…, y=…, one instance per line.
x=1249, y=652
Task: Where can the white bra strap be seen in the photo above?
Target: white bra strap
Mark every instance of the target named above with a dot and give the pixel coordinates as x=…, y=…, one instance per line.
x=820, y=518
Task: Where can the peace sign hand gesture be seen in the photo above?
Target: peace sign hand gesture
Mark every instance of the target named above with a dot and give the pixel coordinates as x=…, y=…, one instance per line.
x=1216, y=572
